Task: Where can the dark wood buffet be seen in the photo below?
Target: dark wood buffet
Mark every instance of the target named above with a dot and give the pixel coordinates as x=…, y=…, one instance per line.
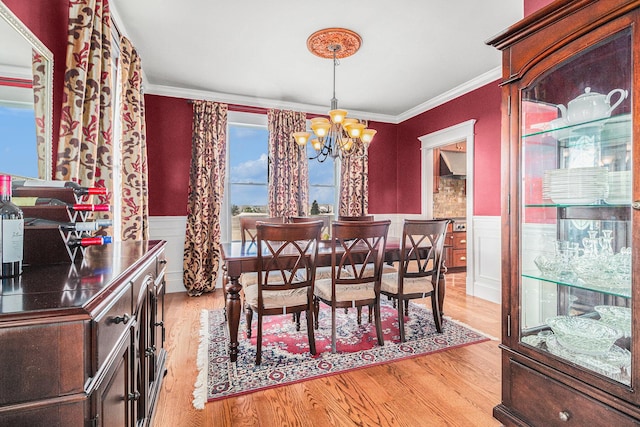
x=83, y=344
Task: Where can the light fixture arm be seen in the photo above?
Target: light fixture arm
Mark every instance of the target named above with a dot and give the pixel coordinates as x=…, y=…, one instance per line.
x=337, y=136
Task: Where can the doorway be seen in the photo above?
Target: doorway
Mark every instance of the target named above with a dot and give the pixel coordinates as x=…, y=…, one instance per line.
x=462, y=133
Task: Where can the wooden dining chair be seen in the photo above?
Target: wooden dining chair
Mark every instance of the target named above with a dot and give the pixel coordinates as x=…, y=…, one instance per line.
x=419, y=268
x=248, y=232
x=356, y=218
x=354, y=245
x=286, y=275
x=326, y=223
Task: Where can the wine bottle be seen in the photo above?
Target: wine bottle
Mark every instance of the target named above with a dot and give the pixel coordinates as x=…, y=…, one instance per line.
x=70, y=226
x=47, y=201
x=11, y=232
x=77, y=188
x=89, y=241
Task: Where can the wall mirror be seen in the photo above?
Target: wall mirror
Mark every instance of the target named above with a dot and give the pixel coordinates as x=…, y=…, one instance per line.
x=26, y=92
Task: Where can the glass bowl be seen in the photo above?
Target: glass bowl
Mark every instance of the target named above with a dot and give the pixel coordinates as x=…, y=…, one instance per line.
x=582, y=335
x=618, y=317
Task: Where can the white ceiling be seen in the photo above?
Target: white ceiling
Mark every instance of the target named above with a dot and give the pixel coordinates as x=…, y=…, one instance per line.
x=415, y=54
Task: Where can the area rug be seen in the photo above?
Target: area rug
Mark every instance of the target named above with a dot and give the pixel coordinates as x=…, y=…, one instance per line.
x=285, y=352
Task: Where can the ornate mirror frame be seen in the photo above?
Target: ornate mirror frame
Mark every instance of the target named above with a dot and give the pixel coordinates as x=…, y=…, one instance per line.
x=45, y=89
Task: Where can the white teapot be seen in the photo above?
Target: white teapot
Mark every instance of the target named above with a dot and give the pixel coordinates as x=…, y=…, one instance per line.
x=591, y=106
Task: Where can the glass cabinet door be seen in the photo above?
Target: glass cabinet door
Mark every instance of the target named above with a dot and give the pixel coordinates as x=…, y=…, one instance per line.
x=575, y=210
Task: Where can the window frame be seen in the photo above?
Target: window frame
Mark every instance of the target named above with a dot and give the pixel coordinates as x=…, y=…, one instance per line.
x=237, y=118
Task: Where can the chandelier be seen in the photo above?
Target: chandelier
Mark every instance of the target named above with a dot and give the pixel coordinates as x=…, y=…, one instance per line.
x=337, y=136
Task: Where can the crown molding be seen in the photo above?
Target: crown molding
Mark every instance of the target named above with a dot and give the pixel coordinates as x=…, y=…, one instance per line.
x=464, y=88
x=177, y=92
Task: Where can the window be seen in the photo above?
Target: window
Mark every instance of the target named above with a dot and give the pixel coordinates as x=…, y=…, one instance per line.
x=322, y=184
x=246, y=191
x=247, y=187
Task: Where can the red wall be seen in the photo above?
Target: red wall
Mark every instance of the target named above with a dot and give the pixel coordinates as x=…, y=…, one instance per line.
x=483, y=105
x=383, y=168
x=531, y=6
x=169, y=154
x=48, y=20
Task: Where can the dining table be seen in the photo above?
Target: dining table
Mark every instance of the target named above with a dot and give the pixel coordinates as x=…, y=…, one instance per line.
x=239, y=258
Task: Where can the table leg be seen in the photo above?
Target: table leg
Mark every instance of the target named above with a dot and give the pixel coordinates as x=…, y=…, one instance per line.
x=234, y=308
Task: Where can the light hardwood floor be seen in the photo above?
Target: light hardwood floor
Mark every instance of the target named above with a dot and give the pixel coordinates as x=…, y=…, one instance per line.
x=458, y=387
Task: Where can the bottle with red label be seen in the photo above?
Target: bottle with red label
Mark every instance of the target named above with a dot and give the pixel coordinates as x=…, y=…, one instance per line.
x=11, y=232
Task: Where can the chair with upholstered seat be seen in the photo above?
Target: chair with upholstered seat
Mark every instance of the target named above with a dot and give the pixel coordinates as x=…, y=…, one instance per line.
x=325, y=271
x=419, y=268
x=286, y=275
x=354, y=245
x=248, y=232
x=355, y=218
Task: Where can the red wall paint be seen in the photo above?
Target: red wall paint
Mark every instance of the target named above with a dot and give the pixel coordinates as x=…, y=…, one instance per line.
x=531, y=6
x=169, y=133
x=483, y=105
x=48, y=20
x=383, y=169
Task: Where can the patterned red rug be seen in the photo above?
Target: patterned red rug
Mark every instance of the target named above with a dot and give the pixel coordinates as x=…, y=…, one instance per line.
x=285, y=352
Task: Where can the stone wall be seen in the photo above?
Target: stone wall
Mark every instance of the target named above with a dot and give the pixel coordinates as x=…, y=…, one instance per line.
x=451, y=199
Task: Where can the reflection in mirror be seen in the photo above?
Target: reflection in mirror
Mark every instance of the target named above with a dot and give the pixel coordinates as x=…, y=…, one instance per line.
x=26, y=88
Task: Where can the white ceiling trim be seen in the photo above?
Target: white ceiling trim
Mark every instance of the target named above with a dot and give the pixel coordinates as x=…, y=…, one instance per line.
x=449, y=95
x=467, y=87
x=177, y=92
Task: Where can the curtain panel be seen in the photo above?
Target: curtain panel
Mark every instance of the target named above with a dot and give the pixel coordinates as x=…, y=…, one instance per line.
x=134, y=174
x=206, y=189
x=288, y=167
x=354, y=184
x=85, y=141
x=39, y=101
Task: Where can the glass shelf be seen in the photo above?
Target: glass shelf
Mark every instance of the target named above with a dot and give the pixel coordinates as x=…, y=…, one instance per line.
x=575, y=282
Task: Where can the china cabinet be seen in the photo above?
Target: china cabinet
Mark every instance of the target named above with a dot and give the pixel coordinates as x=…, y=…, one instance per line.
x=570, y=199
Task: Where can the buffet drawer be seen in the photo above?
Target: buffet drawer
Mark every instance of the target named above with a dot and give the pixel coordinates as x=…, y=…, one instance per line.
x=543, y=401
x=110, y=324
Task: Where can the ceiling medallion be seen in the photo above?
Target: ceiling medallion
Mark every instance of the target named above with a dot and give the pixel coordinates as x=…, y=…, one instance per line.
x=324, y=43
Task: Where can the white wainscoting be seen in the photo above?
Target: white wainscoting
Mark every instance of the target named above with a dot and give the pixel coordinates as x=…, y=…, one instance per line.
x=483, y=275
x=172, y=229
x=484, y=281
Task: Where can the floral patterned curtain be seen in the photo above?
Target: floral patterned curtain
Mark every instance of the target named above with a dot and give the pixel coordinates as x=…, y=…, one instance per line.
x=354, y=183
x=288, y=167
x=206, y=189
x=85, y=145
x=39, y=101
x=135, y=203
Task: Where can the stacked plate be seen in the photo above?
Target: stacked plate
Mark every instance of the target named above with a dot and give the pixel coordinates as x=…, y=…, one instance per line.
x=619, y=187
x=576, y=186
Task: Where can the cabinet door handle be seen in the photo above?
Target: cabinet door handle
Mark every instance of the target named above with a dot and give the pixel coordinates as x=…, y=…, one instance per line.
x=133, y=396
x=564, y=416
x=463, y=241
x=121, y=319
x=463, y=258
x=163, y=261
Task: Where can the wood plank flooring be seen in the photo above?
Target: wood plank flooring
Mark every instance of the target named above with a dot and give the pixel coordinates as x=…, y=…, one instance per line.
x=458, y=387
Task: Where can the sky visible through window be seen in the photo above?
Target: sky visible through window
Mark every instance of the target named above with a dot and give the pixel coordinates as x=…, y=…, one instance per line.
x=18, y=154
x=248, y=169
